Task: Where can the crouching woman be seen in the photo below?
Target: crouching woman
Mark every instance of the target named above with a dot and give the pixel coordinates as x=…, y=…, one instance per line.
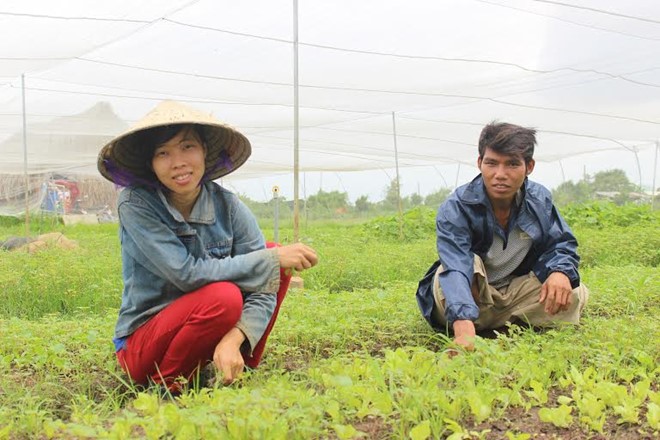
x=200, y=284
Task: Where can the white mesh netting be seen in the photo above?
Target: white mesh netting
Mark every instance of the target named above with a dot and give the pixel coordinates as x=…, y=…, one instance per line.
x=585, y=73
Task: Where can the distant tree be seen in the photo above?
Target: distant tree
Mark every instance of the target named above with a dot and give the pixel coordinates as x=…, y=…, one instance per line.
x=391, y=201
x=327, y=201
x=615, y=182
x=266, y=210
x=362, y=204
x=435, y=199
x=612, y=180
x=254, y=206
x=415, y=200
x=569, y=192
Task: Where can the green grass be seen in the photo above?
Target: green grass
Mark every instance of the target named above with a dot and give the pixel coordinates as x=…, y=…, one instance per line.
x=350, y=356
x=63, y=281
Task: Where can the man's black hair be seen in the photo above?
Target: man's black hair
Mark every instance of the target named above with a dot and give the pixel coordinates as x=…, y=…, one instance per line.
x=509, y=139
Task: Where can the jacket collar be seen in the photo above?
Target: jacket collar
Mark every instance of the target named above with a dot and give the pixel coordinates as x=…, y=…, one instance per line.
x=202, y=212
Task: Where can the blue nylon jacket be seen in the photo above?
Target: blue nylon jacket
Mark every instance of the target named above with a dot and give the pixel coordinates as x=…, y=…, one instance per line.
x=465, y=225
x=165, y=257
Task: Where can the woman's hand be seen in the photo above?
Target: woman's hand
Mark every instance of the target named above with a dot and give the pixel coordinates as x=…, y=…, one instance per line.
x=227, y=356
x=297, y=256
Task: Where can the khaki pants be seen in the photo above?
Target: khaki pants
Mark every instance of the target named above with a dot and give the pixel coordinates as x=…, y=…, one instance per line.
x=520, y=299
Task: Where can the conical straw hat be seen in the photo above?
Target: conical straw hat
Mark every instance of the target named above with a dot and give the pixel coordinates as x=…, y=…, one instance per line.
x=121, y=160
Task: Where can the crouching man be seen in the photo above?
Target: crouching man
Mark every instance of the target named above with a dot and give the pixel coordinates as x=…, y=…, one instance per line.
x=505, y=253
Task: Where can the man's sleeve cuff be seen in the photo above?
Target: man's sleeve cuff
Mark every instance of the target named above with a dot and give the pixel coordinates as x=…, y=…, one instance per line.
x=461, y=312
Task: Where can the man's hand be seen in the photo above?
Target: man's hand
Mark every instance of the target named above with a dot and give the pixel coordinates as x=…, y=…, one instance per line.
x=556, y=293
x=464, y=334
x=297, y=256
x=227, y=356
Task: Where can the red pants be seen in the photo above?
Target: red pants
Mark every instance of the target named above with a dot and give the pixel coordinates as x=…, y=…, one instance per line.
x=182, y=337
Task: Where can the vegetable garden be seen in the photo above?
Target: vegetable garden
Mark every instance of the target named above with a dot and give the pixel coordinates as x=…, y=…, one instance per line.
x=350, y=356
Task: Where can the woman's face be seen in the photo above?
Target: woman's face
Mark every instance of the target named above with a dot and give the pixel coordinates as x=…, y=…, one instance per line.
x=179, y=163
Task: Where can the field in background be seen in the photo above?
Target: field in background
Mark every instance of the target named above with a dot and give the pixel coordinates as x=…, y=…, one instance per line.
x=350, y=356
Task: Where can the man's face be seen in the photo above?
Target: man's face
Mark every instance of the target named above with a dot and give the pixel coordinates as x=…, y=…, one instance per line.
x=503, y=175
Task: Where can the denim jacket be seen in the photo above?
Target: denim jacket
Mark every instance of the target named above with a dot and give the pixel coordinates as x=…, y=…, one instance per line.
x=165, y=257
x=465, y=225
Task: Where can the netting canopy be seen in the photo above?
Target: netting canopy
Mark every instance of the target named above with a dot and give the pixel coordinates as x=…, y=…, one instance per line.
x=585, y=73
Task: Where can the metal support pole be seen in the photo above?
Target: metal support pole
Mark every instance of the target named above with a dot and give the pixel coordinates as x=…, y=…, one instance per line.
x=305, y=212
x=655, y=169
x=639, y=168
x=276, y=203
x=563, y=175
x=441, y=176
x=398, y=181
x=296, y=140
x=25, y=162
x=458, y=172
